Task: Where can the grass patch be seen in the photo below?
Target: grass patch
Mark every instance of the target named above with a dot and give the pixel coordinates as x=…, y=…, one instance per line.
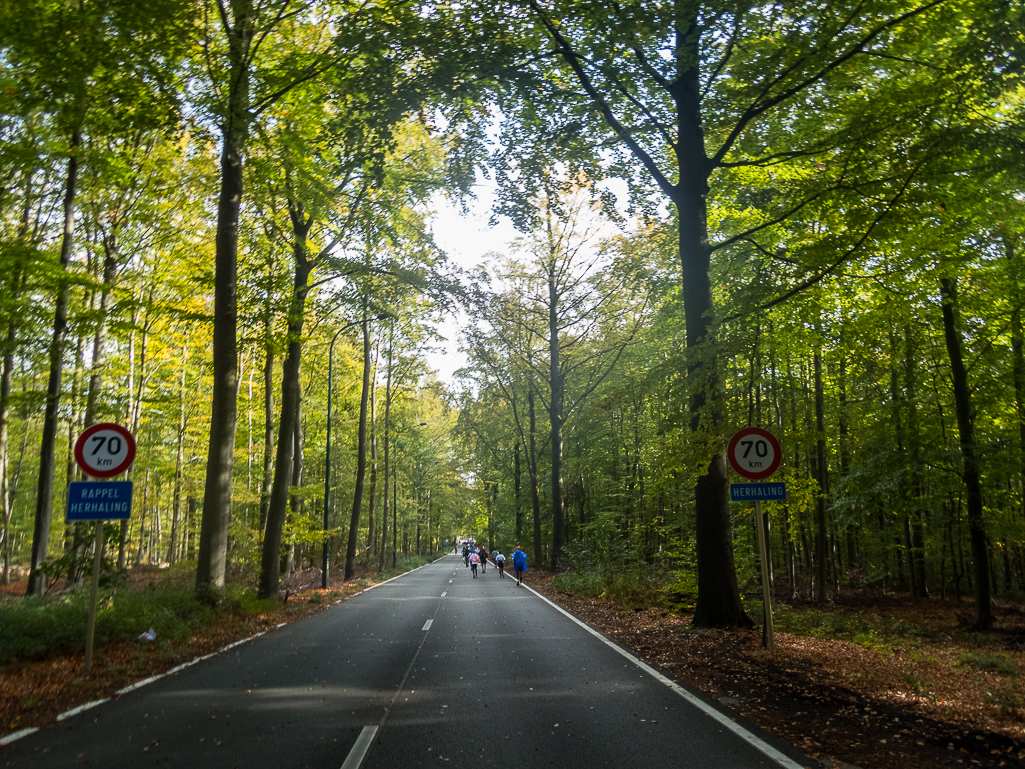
x=35, y=628
x=631, y=589
x=868, y=630
x=994, y=664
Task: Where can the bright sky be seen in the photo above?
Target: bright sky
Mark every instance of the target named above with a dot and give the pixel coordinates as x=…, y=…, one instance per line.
x=466, y=240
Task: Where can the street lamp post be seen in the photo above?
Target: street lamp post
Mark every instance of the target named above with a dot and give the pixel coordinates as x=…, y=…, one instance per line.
x=327, y=448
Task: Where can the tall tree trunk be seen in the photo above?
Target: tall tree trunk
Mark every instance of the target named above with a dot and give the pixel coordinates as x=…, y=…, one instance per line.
x=213, y=540
x=535, y=499
x=6, y=509
x=556, y=418
x=822, y=470
x=387, y=456
x=110, y=263
x=179, y=462
x=295, y=502
x=1018, y=370
x=361, y=452
x=518, y=488
x=372, y=498
x=44, y=492
x=267, y=478
x=966, y=432
x=270, y=562
x=134, y=415
x=17, y=288
x=915, y=483
x=718, y=600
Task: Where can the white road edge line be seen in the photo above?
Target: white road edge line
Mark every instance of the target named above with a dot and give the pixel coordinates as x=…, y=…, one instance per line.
x=725, y=721
x=13, y=736
x=176, y=669
x=403, y=574
x=81, y=708
x=359, y=750
x=427, y=625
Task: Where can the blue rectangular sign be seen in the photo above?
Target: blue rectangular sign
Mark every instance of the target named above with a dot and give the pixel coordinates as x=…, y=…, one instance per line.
x=99, y=500
x=758, y=492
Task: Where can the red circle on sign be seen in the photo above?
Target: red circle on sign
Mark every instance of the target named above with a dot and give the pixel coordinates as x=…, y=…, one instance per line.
x=754, y=453
x=105, y=450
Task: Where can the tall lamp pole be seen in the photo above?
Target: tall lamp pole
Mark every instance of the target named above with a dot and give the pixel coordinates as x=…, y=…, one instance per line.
x=327, y=448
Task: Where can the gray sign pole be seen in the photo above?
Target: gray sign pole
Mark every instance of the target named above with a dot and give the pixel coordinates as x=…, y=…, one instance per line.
x=763, y=553
x=91, y=626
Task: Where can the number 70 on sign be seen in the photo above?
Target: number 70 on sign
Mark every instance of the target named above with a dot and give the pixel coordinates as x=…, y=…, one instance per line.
x=754, y=453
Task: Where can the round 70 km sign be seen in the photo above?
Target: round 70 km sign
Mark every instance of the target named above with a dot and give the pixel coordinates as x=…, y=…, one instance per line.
x=754, y=453
x=105, y=450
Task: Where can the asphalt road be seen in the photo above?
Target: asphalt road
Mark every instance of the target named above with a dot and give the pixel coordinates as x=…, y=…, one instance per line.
x=431, y=668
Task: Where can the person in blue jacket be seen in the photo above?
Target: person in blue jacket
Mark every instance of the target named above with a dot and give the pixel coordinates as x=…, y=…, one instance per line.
x=519, y=565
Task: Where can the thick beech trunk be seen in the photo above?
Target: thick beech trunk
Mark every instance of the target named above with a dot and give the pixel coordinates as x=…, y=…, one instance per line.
x=44, y=491
x=972, y=476
x=213, y=539
x=287, y=449
x=718, y=601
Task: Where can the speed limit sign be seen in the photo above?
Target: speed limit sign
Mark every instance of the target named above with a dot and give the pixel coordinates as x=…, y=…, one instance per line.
x=105, y=450
x=754, y=453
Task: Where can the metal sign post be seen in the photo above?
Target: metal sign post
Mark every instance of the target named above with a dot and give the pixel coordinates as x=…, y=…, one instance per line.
x=102, y=451
x=763, y=553
x=756, y=454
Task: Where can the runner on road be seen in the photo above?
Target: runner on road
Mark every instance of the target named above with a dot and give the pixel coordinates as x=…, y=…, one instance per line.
x=474, y=560
x=500, y=560
x=519, y=565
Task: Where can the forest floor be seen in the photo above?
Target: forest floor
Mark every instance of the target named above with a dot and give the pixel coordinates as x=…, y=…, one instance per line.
x=939, y=696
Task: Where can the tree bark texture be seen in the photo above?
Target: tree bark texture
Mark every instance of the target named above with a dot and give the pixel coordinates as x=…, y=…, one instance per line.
x=361, y=454
x=44, y=492
x=966, y=433
x=287, y=448
x=822, y=471
x=213, y=538
x=718, y=602
x=556, y=419
x=535, y=500
x=387, y=457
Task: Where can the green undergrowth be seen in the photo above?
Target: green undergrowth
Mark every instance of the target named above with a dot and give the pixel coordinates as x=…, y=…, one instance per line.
x=630, y=588
x=993, y=662
x=35, y=628
x=867, y=629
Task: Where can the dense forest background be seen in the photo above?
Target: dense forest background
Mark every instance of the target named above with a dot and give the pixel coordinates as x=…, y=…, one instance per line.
x=215, y=220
